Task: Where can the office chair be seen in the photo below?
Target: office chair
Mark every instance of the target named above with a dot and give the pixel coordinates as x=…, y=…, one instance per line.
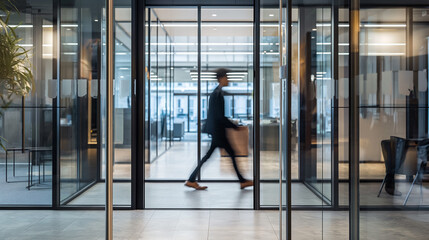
x=394, y=154
x=422, y=160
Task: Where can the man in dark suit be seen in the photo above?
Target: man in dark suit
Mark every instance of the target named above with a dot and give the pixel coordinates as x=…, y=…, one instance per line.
x=216, y=126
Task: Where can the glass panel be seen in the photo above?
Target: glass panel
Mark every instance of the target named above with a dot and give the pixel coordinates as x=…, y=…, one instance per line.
x=53, y=126
x=314, y=115
x=26, y=123
x=227, y=42
x=122, y=104
x=342, y=93
x=393, y=120
x=269, y=105
x=78, y=143
x=172, y=108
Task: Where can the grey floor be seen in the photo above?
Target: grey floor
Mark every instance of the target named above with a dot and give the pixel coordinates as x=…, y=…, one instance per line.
x=213, y=224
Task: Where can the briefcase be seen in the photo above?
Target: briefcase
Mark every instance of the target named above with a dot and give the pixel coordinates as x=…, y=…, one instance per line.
x=239, y=140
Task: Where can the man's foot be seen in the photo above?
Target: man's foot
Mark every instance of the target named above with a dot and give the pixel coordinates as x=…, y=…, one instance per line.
x=393, y=192
x=195, y=185
x=247, y=183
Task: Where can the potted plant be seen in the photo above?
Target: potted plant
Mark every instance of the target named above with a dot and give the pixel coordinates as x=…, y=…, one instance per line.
x=16, y=78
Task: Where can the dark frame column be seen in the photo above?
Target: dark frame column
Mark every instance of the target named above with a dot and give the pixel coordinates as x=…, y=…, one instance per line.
x=56, y=48
x=334, y=126
x=256, y=104
x=138, y=105
x=198, y=93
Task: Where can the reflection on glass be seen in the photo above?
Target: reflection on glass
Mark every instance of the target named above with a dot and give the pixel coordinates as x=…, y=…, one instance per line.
x=26, y=123
x=393, y=117
x=78, y=154
x=269, y=106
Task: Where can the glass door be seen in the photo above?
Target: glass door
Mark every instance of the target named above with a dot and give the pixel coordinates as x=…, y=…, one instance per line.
x=180, y=42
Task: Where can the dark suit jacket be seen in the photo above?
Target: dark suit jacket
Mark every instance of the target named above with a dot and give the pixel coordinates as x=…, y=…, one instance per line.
x=216, y=120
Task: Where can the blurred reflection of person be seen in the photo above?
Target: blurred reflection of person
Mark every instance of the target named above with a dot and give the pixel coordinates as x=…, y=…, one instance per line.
x=216, y=126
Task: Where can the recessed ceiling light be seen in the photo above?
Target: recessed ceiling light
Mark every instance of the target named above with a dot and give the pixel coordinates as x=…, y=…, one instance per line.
x=95, y=20
x=271, y=15
x=214, y=15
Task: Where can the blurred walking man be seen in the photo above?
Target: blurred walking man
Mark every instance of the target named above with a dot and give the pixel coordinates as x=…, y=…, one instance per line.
x=216, y=126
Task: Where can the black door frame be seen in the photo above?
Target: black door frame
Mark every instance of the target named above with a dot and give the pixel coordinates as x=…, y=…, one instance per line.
x=138, y=108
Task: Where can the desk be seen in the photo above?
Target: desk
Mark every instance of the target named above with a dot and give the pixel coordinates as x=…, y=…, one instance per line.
x=38, y=162
x=13, y=163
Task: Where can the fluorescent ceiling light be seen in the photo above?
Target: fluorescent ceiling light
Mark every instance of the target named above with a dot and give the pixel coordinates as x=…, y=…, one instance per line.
x=212, y=25
x=203, y=73
x=204, y=44
x=237, y=73
x=385, y=25
x=383, y=54
x=364, y=25
x=21, y=26
x=227, y=44
x=69, y=25
x=70, y=44
x=384, y=44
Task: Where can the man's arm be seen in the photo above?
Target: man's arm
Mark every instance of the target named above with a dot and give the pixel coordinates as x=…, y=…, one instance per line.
x=221, y=113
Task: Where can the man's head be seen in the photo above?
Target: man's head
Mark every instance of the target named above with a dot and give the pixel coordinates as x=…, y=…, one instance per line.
x=221, y=75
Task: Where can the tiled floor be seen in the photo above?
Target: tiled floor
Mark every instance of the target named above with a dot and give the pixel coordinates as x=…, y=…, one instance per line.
x=214, y=224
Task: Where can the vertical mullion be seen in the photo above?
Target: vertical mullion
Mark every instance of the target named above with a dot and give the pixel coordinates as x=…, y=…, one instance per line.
x=280, y=32
x=149, y=49
x=138, y=105
x=158, y=24
x=199, y=93
x=134, y=121
x=289, y=120
x=55, y=106
x=354, y=120
x=256, y=104
x=78, y=105
x=334, y=126
x=109, y=122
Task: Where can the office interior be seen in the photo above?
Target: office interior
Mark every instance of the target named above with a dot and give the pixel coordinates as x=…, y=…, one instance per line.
x=55, y=155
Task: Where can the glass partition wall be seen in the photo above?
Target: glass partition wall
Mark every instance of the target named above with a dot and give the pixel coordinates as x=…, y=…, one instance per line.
x=393, y=115
x=51, y=154
x=58, y=157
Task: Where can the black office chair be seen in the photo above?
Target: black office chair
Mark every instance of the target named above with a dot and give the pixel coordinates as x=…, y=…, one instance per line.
x=422, y=160
x=394, y=152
